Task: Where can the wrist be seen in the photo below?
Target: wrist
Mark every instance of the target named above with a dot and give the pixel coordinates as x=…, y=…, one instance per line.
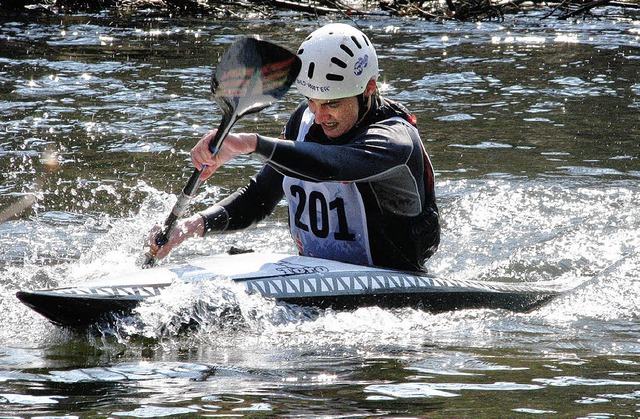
x=265, y=146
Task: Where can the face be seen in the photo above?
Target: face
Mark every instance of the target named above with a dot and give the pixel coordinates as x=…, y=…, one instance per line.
x=335, y=116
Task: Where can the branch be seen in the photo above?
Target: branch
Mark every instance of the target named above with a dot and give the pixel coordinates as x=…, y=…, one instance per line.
x=584, y=9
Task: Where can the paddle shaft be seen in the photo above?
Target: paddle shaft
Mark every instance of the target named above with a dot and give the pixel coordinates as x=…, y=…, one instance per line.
x=185, y=197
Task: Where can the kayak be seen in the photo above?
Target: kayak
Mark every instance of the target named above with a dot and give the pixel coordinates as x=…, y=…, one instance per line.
x=300, y=280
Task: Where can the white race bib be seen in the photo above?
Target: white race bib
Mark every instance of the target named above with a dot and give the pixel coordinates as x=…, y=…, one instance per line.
x=327, y=219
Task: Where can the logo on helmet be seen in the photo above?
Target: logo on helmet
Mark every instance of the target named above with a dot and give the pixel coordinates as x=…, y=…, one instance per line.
x=360, y=65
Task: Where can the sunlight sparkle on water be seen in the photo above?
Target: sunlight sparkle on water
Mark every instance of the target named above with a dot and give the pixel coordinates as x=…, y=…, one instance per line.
x=106, y=40
x=569, y=38
x=526, y=40
x=325, y=378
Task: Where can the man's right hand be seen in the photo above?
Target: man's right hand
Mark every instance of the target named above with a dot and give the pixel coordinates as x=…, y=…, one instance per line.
x=233, y=145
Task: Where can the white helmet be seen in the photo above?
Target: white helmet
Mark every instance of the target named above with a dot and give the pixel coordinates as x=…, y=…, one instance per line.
x=337, y=61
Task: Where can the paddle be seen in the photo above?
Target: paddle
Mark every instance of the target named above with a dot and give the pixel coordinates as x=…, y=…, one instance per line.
x=251, y=75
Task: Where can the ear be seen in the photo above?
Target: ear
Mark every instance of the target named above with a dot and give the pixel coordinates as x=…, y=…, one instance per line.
x=372, y=85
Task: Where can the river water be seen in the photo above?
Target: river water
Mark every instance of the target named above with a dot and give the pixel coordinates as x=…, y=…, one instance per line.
x=533, y=126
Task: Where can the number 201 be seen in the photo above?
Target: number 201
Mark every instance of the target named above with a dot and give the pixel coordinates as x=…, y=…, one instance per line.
x=318, y=211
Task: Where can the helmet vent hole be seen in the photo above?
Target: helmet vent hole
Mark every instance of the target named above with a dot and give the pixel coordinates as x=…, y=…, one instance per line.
x=346, y=49
x=335, y=77
x=339, y=62
x=301, y=51
x=355, y=41
x=311, y=69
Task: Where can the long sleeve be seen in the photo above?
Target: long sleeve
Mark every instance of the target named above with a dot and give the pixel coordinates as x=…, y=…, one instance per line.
x=247, y=206
x=372, y=155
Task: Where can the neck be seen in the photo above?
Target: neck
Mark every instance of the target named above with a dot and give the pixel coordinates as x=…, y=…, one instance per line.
x=365, y=105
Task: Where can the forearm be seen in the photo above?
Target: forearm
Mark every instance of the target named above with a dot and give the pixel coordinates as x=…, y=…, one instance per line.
x=247, y=206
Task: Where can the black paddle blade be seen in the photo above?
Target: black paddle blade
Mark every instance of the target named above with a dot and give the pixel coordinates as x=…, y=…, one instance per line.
x=253, y=74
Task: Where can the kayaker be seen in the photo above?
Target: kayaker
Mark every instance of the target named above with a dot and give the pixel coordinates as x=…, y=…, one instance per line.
x=351, y=165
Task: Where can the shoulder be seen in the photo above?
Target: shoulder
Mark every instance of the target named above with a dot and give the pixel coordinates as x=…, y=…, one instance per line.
x=394, y=129
x=389, y=119
x=389, y=109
